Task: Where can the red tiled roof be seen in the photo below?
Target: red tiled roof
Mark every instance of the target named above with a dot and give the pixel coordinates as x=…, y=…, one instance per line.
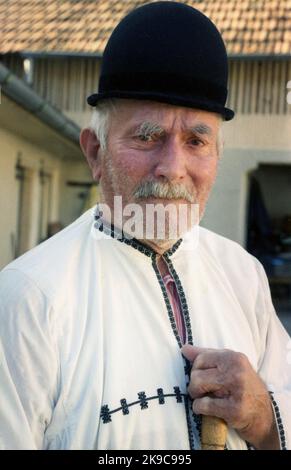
x=74, y=26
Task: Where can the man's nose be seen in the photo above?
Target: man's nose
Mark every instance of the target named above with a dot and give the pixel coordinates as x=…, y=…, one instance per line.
x=171, y=162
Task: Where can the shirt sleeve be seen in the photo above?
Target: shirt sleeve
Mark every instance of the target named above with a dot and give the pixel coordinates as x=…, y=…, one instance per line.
x=29, y=364
x=275, y=360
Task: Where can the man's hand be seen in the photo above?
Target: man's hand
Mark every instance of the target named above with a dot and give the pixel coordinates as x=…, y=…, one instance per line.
x=224, y=384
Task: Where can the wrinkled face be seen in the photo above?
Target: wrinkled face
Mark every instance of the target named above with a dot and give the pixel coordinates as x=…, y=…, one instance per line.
x=148, y=143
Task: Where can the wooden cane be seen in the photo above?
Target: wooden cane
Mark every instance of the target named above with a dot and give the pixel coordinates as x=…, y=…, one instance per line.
x=214, y=431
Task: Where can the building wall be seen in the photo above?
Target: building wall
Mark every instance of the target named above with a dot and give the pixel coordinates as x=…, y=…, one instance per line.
x=275, y=183
x=63, y=81
x=256, y=86
x=15, y=149
x=249, y=142
x=66, y=82
x=75, y=183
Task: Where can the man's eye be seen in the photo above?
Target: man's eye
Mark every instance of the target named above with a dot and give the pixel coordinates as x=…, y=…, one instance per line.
x=196, y=142
x=144, y=137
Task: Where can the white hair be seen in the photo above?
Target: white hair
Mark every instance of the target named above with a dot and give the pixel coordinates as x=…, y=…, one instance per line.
x=100, y=122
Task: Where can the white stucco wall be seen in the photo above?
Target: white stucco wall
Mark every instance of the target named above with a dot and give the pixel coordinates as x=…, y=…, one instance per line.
x=249, y=141
x=71, y=204
x=32, y=157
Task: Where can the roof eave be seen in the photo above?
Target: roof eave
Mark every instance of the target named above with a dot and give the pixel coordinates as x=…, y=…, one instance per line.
x=98, y=55
x=59, y=54
x=260, y=56
x=22, y=94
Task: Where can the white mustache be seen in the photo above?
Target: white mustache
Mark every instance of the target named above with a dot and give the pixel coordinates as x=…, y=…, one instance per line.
x=163, y=190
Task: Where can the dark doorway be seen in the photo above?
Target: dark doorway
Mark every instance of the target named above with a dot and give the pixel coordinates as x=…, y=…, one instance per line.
x=269, y=230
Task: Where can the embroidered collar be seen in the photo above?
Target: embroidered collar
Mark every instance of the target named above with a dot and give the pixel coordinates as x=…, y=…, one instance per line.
x=121, y=236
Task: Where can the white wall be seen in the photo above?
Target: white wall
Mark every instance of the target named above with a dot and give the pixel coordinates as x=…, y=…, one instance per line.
x=226, y=208
x=32, y=157
x=249, y=141
x=8, y=198
x=71, y=205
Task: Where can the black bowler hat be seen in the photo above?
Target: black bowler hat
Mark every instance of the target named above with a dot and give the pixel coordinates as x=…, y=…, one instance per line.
x=167, y=52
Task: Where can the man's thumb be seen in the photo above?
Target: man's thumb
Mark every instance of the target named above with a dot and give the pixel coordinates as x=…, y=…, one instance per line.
x=190, y=352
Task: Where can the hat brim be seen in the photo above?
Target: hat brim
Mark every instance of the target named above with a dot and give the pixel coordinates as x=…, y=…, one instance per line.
x=188, y=102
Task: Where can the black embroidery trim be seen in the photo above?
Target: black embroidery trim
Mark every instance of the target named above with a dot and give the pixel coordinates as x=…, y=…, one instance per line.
x=186, y=316
x=148, y=251
x=188, y=405
x=178, y=394
x=182, y=297
x=280, y=426
x=143, y=400
x=124, y=406
x=198, y=422
x=167, y=301
x=279, y=422
x=105, y=413
x=161, y=396
x=133, y=242
x=187, y=368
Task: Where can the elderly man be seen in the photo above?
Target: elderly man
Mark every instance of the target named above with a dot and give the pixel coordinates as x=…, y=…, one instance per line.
x=113, y=341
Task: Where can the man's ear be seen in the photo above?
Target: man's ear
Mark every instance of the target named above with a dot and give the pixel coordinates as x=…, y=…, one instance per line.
x=90, y=146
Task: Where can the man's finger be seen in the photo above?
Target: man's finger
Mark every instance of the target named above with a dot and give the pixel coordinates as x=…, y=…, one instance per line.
x=202, y=358
x=212, y=407
x=206, y=381
x=209, y=358
x=191, y=352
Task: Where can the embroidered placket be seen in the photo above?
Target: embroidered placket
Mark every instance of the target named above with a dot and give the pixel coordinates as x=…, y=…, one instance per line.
x=176, y=304
x=175, y=301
